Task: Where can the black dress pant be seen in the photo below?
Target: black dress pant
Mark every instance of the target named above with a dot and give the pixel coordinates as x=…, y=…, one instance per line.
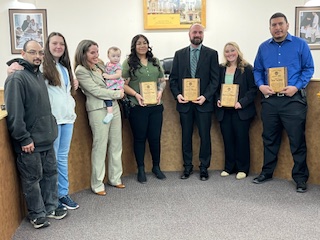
x=146, y=124
x=235, y=133
x=287, y=113
x=203, y=122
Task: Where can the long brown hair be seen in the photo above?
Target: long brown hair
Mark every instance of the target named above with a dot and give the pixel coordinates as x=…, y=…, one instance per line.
x=50, y=71
x=81, y=53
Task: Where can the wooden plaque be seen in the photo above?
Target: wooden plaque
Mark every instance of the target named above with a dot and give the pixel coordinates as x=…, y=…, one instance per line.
x=191, y=89
x=229, y=94
x=277, y=78
x=148, y=91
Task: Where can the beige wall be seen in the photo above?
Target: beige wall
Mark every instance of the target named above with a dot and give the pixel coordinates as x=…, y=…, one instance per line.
x=115, y=23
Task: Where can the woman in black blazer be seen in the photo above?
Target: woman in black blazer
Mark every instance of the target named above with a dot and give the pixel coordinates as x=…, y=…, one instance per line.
x=235, y=121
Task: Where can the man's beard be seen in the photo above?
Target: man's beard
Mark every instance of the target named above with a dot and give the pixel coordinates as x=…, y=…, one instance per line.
x=196, y=41
x=36, y=66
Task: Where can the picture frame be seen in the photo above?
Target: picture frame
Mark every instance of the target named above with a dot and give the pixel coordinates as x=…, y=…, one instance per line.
x=307, y=25
x=173, y=14
x=25, y=25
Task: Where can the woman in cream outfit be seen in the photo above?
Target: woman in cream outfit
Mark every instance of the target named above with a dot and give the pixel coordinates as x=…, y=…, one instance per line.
x=88, y=70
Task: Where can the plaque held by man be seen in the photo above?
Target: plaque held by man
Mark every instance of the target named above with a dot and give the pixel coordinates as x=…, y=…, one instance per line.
x=148, y=91
x=191, y=89
x=277, y=78
x=229, y=94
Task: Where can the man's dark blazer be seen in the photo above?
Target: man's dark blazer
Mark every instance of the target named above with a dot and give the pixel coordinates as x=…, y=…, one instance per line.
x=247, y=92
x=207, y=71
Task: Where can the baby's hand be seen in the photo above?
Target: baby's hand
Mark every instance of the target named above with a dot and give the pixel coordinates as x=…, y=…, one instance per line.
x=122, y=93
x=75, y=83
x=104, y=75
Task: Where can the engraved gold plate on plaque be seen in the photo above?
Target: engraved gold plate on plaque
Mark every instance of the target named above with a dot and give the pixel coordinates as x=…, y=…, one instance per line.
x=191, y=88
x=277, y=78
x=148, y=91
x=229, y=94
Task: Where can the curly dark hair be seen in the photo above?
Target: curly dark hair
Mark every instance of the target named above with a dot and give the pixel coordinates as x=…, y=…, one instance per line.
x=133, y=59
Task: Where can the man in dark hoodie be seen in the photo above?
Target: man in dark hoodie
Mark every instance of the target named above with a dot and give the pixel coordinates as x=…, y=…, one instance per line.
x=33, y=130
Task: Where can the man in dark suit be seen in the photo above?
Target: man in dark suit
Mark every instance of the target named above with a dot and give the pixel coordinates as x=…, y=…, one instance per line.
x=206, y=68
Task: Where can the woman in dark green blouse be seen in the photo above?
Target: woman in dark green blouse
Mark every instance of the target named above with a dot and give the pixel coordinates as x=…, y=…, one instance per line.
x=145, y=118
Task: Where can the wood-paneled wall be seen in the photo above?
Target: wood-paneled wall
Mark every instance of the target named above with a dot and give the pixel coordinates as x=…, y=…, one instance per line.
x=11, y=201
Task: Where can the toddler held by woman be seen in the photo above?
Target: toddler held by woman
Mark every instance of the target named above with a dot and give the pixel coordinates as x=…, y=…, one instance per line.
x=113, y=78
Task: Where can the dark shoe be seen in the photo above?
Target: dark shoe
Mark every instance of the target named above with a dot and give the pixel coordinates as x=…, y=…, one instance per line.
x=186, y=174
x=204, y=176
x=159, y=174
x=58, y=214
x=261, y=179
x=40, y=222
x=68, y=202
x=141, y=175
x=301, y=187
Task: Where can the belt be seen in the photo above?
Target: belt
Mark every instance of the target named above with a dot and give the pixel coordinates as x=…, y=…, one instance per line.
x=275, y=95
x=302, y=93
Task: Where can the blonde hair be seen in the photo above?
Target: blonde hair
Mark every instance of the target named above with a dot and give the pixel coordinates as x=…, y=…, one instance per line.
x=241, y=63
x=115, y=49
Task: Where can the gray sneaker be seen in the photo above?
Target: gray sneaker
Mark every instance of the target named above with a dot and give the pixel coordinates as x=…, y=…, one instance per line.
x=59, y=213
x=40, y=222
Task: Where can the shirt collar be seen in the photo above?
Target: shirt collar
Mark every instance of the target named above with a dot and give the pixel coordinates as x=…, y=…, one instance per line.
x=199, y=47
x=289, y=38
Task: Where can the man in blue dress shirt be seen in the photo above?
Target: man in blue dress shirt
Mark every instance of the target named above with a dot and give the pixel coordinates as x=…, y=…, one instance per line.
x=286, y=108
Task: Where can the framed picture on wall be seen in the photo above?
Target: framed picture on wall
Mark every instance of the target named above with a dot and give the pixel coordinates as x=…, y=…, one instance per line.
x=307, y=25
x=173, y=14
x=27, y=24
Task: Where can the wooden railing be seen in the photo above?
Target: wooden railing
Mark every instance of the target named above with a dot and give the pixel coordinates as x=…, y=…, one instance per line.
x=11, y=200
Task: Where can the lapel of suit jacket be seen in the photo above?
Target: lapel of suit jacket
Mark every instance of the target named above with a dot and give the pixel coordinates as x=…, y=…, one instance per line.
x=223, y=74
x=202, y=57
x=97, y=76
x=187, y=57
x=236, y=75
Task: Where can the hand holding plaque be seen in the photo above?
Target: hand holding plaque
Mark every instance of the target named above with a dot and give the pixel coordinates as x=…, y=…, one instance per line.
x=229, y=95
x=277, y=78
x=191, y=88
x=148, y=91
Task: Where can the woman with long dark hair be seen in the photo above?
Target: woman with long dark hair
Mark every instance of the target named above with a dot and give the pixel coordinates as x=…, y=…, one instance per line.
x=145, y=119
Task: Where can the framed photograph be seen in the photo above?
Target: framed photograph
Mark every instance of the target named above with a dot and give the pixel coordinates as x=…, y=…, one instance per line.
x=27, y=24
x=307, y=25
x=173, y=14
